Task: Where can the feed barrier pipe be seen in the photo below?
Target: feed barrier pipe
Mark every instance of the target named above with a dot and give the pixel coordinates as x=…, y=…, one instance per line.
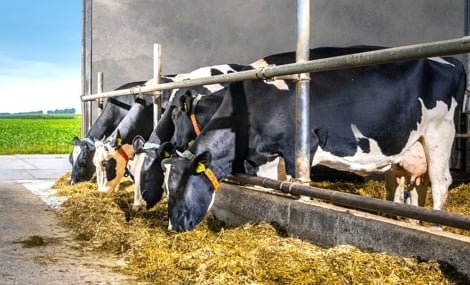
x=403, y=53
x=360, y=202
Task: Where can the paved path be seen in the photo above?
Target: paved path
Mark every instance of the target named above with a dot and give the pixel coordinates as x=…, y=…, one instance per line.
x=25, y=216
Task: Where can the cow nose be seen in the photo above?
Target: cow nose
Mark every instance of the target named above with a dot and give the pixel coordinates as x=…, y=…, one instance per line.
x=72, y=182
x=186, y=225
x=182, y=225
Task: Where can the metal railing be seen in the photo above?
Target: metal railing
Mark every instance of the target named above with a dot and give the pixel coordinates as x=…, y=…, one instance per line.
x=403, y=53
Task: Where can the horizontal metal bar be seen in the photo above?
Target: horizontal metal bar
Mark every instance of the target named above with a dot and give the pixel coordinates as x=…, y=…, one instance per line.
x=410, y=52
x=462, y=135
x=360, y=202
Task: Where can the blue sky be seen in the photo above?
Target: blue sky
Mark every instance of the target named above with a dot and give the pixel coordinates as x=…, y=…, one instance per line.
x=40, y=55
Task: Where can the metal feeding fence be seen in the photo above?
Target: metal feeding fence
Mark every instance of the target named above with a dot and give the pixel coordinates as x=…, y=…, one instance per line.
x=302, y=68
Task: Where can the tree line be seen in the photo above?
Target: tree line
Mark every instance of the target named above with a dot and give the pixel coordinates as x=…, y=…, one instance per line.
x=56, y=111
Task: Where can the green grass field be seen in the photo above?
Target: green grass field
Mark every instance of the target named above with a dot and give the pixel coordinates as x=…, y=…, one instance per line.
x=33, y=134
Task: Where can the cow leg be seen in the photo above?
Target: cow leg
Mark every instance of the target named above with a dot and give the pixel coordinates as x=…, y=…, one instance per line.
x=438, y=146
x=400, y=191
x=390, y=185
x=412, y=200
x=421, y=193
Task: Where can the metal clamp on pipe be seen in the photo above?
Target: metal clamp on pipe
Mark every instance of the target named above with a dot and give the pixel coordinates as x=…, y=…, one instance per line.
x=260, y=72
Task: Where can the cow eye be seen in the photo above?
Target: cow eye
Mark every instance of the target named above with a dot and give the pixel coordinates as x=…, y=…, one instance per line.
x=104, y=163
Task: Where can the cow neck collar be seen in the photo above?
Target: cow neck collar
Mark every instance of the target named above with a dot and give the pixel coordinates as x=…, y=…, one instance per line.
x=196, y=127
x=208, y=173
x=90, y=141
x=123, y=153
x=119, y=103
x=148, y=146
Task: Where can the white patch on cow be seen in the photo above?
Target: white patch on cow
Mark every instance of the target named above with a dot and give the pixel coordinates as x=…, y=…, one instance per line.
x=75, y=153
x=212, y=202
x=135, y=168
x=269, y=169
x=279, y=84
x=259, y=63
x=206, y=71
x=360, y=163
x=167, y=169
x=166, y=175
x=203, y=72
x=214, y=87
x=440, y=60
x=99, y=156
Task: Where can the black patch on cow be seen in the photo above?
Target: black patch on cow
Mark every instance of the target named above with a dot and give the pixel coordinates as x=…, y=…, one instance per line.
x=215, y=72
x=111, y=169
x=364, y=145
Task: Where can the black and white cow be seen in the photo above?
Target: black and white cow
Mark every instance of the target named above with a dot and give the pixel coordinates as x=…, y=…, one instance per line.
x=362, y=120
x=83, y=151
x=193, y=112
x=139, y=126
x=115, y=110
x=138, y=121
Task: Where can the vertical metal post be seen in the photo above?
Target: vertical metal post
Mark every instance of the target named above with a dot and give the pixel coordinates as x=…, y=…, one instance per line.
x=100, y=90
x=302, y=108
x=87, y=117
x=467, y=56
x=157, y=71
x=465, y=164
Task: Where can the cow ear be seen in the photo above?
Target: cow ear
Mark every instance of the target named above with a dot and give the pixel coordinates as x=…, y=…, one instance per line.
x=201, y=162
x=165, y=150
x=75, y=141
x=118, y=140
x=184, y=102
x=138, y=143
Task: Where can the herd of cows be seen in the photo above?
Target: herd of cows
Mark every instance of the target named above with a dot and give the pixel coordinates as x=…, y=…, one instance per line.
x=396, y=118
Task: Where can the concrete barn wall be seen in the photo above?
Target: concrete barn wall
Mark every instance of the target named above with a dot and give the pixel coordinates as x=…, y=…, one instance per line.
x=206, y=32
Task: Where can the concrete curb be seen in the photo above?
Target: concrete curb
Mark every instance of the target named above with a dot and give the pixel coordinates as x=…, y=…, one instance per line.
x=329, y=225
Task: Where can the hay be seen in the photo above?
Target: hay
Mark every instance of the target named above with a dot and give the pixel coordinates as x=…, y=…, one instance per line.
x=214, y=254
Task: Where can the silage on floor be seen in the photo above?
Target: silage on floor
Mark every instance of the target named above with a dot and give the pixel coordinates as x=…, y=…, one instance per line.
x=214, y=254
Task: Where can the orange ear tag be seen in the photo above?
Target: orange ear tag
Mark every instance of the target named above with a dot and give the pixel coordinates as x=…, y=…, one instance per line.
x=213, y=179
x=200, y=168
x=197, y=130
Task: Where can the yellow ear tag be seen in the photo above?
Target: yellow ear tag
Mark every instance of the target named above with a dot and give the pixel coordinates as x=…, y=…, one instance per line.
x=118, y=141
x=200, y=168
x=166, y=154
x=185, y=107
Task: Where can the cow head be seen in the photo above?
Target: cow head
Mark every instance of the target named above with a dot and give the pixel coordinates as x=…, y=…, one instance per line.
x=111, y=158
x=147, y=171
x=185, y=121
x=192, y=113
x=81, y=159
x=191, y=186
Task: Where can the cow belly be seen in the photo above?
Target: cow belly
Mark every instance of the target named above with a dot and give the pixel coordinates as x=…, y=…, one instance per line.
x=361, y=163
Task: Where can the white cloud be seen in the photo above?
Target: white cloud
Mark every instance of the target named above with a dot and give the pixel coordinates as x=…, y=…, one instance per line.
x=33, y=86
